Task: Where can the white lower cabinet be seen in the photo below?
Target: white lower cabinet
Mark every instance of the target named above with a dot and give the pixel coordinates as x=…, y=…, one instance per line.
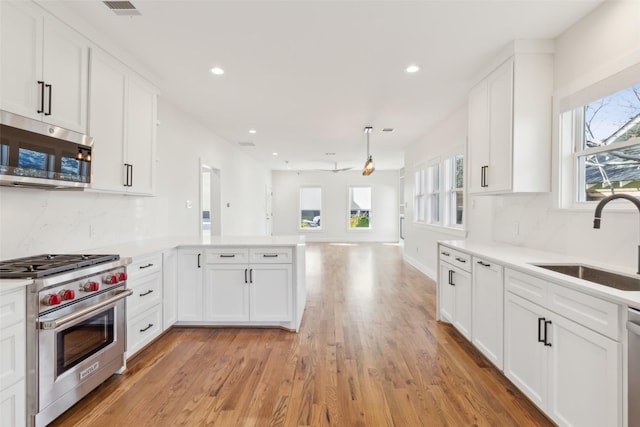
x=454, y=286
x=570, y=371
x=145, y=305
x=12, y=357
x=487, y=309
x=259, y=291
x=190, y=274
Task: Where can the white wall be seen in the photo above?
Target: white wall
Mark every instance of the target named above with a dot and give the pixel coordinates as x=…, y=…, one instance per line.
x=384, y=212
x=38, y=221
x=600, y=45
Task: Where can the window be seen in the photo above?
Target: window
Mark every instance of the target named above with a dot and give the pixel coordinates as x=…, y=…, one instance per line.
x=439, y=193
x=310, y=208
x=604, y=136
x=455, y=190
x=359, y=208
x=418, y=204
x=433, y=194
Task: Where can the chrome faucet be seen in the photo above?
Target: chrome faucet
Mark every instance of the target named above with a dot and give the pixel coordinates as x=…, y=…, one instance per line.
x=598, y=213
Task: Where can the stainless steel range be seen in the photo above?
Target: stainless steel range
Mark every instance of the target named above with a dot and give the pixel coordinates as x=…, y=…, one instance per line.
x=76, y=330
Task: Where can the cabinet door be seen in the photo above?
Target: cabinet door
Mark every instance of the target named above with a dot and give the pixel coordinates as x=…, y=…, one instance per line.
x=226, y=292
x=65, y=69
x=462, y=311
x=585, y=382
x=500, y=88
x=445, y=293
x=106, y=121
x=487, y=309
x=170, y=287
x=478, y=143
x=13, y=406
x=141, y=136
x=525, y=359
x=190, y=304
x=21, y=58
x=271, y=293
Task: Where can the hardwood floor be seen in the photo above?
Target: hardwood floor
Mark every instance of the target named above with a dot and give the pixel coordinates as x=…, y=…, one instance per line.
x=369, y=353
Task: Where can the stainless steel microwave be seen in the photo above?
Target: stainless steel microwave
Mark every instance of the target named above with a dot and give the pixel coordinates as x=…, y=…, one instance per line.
x=37, y=154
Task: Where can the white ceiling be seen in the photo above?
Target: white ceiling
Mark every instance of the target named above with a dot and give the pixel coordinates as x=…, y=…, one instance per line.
x=309, y=75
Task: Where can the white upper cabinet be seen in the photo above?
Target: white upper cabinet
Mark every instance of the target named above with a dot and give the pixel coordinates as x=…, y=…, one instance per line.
x=44, y=67
x=122, y=121
x=510, y=127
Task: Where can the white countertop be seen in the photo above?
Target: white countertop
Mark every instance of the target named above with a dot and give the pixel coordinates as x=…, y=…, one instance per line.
x=521, y=259
x=149, y=246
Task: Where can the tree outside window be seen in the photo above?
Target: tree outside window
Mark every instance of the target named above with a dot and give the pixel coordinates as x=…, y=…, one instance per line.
x=359, y=207
x=310, y=208
x=607, y=146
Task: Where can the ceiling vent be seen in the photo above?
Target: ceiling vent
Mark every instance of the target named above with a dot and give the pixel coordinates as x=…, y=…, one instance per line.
x=247, y=144
x=122, y=8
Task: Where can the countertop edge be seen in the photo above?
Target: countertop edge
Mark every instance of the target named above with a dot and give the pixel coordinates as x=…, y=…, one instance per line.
x=522, y=259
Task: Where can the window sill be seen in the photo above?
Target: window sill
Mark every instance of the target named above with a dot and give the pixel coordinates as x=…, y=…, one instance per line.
x=615, y=206
x=310, y=230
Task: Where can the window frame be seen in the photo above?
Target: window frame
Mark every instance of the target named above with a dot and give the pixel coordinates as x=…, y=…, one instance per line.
x=433, y=193
x=419, y=195
x=451, y=191
x=300, y=219
x=349, y=193
x=571, y=185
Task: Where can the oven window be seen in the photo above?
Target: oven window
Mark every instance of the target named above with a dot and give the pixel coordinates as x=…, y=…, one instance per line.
x=84, y=339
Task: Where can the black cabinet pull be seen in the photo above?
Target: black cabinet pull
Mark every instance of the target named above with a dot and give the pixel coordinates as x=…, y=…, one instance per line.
x=445, y=253
x=199, y=260
x=127, y=182
x=251, y=275
x=483, y=176
x=41, y=110
x=245, y=276
x=150, y=291
x=270, y=255
x=462, y=260
x=147, y=328
x=227, y=255
x=142, y=267
x=131, y=182
x=451, y=280
x=49, y=112
x=484, y=264
x=540, y=323
x=546, y=333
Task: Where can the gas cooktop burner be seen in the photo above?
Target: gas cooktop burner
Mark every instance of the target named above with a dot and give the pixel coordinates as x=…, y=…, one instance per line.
x=48, y=264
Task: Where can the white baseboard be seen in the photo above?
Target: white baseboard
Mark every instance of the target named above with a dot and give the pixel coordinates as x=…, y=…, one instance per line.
x=430, y=273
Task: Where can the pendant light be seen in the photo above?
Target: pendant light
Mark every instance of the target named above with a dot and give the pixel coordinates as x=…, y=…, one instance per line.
x=368, y=166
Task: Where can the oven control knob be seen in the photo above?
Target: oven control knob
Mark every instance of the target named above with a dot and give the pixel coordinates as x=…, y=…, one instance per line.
x=52, y=299
x=91, y=286
x=122, y=276
x=110, y=279
x=67, y=294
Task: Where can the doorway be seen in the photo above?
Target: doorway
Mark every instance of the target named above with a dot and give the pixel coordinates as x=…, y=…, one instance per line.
x=210, y=211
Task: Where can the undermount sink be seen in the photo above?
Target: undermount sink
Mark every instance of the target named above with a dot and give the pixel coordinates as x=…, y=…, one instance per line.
x=595, y=275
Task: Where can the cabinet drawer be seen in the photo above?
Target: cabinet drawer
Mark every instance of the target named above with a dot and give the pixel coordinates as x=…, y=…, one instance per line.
x=142, y=329
x=147, y=291
x=270, y=255
x=144, y=266
x=12, y=307
x=455, y=257
x=12, y=354
x=528, y=287
x=227, y=256
x=594, y=313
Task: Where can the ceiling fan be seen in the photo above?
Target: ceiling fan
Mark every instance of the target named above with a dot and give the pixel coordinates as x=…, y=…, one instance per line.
x=335, y=168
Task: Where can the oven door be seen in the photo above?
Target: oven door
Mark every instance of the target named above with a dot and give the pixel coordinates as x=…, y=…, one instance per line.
x=79, y=349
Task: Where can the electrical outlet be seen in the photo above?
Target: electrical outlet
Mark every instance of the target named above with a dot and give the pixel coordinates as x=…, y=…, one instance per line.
x=92, y=231
x=516, y=228
x=188, y=204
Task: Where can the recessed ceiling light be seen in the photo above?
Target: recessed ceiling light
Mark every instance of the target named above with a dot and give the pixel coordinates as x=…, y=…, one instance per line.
x=274, y=153
x=252, y=131
x=217, y=71
x=412, y=69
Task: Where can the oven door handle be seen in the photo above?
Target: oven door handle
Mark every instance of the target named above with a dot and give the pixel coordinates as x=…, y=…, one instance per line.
x=54, y=324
